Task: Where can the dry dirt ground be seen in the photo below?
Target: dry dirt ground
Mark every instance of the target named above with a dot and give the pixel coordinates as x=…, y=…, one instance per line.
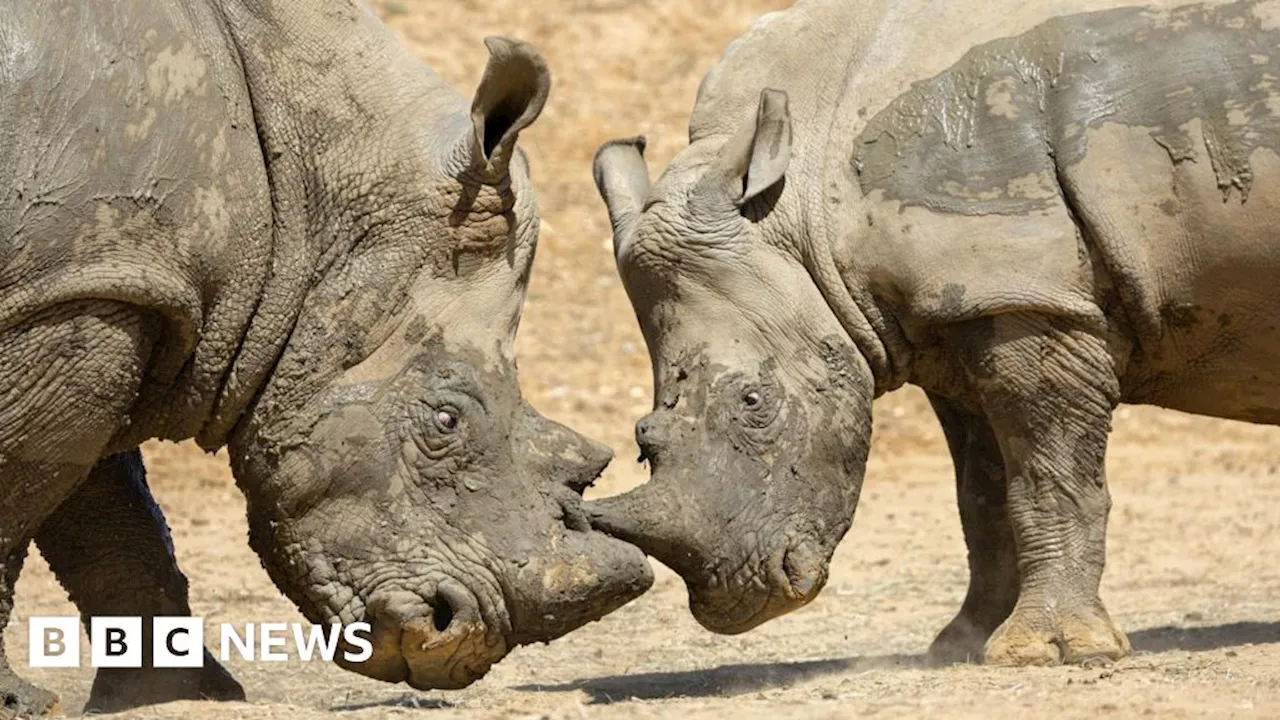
x=1192, y=574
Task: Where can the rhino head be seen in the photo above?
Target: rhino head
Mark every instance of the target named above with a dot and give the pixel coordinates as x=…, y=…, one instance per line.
x=762, y=411
x=393, y=472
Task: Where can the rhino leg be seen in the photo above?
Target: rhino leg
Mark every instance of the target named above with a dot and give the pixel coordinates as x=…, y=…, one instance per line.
x=68, y=374
x=18, y=698
x=993, y=567
x=1048, y=390
x=110, y=547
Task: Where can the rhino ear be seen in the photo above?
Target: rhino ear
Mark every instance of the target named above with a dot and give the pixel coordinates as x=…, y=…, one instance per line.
x=771, y=145
x=510, y=97
x=622, y=177
x=756, y=158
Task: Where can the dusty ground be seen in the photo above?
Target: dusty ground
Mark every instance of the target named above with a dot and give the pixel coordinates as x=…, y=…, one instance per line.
x=1192, y=574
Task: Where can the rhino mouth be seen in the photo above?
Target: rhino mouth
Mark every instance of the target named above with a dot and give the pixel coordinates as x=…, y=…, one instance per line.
x=785, y=580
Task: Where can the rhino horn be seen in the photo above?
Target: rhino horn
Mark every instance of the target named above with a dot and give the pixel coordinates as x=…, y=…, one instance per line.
x=645, y=517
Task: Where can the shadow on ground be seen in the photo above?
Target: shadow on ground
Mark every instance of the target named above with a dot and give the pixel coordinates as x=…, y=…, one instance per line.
x=728, y=680
x=725, y=680
x=1210, y=637
x=406, y=701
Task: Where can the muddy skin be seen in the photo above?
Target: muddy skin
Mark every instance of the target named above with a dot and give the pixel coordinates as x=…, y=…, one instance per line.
x=265, y=225
x=756, y=449
x=1042, y=92
x=1033, y=212
x=453, y=546
x=733, y=442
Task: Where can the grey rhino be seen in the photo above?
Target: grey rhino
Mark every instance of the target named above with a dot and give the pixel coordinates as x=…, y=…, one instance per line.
x=265, y=224
x=1033, y=211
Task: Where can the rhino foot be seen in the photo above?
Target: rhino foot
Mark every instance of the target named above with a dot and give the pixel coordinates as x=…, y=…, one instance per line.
x=962, y=641
x=216, y=682
x=1045, y=637
x=120, y=689
x=21, y=699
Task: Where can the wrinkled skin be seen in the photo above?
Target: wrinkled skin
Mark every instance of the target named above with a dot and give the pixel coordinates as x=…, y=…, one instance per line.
x=1032, y=219
x=263, y=224
x=758, y=436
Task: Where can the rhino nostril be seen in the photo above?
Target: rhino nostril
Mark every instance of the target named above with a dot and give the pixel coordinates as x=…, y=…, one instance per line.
x=647, y=437
x=805, y=570
x=441, y=614
x=644, y=429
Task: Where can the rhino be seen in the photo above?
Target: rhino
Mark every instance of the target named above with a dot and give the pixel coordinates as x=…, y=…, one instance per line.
x=1032, y=211
x=266, y=225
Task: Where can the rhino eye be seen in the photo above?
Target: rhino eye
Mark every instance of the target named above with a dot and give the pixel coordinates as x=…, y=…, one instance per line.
x=447, y=420
x=752, y=399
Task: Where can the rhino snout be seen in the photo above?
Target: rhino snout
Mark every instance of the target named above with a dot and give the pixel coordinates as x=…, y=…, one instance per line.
x=730, y=590
x=435, y=642
x=651, y=436
x=788, y=578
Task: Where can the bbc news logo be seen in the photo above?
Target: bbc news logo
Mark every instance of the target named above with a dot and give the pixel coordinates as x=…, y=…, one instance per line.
x=178, y=642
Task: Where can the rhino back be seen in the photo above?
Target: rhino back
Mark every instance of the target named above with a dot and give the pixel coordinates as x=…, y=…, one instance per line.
x=130, y=169
x=129, y=138
x=973, y=140
x=908, y=55
x=1120, y=163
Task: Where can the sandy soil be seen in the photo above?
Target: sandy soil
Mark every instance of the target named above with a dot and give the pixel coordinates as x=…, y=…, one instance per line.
x=1192, y=574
